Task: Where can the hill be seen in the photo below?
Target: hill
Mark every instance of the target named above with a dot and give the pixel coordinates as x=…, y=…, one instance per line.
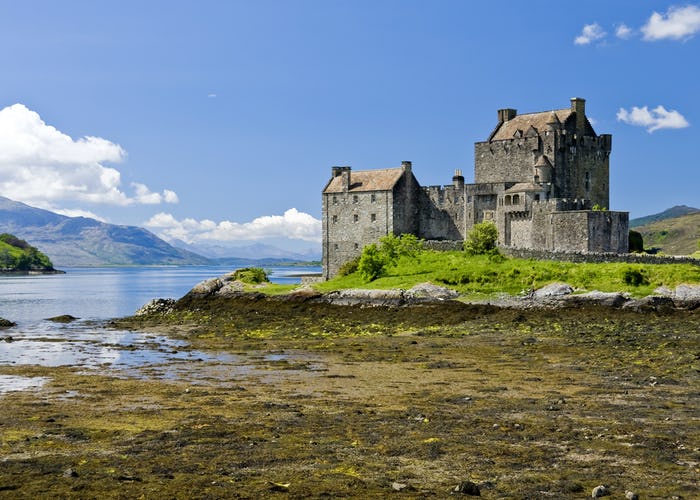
x=81, y=241
x=673, y=236
x=671, y=213
x=18, y=255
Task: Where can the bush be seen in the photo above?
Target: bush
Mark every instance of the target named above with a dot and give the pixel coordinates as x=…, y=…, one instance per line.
x=636, y=242
x=393, y=247
x=251, y=275
x=635, y=277
x=482, y=239
x=349, y=267
x=371, y=264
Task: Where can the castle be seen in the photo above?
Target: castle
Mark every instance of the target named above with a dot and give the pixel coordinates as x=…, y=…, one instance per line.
x=542, y=178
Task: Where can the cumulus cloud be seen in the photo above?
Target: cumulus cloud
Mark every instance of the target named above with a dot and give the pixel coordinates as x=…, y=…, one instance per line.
x=677, y=23
x=589, y=34
x=655, y=119
x=293, y=225
x=42, y=166
x=623, y=31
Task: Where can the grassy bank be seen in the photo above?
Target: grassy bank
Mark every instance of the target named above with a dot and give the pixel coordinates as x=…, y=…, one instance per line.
x=488, y=275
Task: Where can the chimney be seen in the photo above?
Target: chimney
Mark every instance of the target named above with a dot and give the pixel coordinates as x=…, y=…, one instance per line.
x=458, y=179
x=506, y=114
x=344, y=173
x=578, y=106
x=406, y=166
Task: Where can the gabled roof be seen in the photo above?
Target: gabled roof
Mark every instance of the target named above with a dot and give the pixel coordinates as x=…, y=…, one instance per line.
x=367, y=180
x=538, y=121
x=543, y=161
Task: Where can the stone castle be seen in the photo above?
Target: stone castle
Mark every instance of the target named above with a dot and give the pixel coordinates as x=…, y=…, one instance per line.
x=542, y=178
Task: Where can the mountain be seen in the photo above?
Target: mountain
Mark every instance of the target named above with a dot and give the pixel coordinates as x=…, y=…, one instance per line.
x=673, y=236
x=670, y=213
x=80, y=241
x=251, y=252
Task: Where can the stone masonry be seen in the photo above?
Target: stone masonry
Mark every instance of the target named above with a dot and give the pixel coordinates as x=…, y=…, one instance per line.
x=542, y=178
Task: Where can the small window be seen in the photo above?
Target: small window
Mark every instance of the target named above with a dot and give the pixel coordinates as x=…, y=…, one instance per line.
x=335, y=200
x=355, y=218
x=355, y=198
x=335, y=246
x=373, y=217
x=516, y=199
x=537, y=197
x=357, y=246
x=335, y=219
x=373, y=198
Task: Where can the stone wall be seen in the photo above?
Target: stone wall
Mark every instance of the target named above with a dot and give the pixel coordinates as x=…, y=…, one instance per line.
x=631, y=258
x=510, y=160
x=441, y=214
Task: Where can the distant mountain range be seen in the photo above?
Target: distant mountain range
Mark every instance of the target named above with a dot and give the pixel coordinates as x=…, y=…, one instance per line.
x=80, y=241
x=675, y=231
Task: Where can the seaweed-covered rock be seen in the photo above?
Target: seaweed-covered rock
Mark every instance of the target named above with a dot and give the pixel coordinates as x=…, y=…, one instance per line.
x=6, y=323
x=63, y=318
x=597, y=298
x=651, y=303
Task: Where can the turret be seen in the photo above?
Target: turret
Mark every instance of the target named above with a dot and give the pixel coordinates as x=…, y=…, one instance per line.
x=458, y=179
x=578, y=106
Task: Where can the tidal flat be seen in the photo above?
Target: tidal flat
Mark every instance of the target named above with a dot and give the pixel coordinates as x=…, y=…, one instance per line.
x=298, y=400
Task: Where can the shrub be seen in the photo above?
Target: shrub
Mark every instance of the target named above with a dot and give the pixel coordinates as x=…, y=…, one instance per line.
x=481, y=239
x=371, y=264
x=252, y=275
x=635, y=277
x=393, y=247
x=349, y=267
x=636, y=242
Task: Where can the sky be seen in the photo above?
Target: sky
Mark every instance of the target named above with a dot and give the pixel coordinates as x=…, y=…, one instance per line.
x=218, y=122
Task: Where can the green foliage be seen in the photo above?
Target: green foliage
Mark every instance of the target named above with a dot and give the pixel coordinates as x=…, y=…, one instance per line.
x=393, y=247
x=598, y=208
x=635, y=276
x=371, y=264
x=636, y=242
x=349, y=267
x=481, y=239
x=251, y=275
x=18, y=255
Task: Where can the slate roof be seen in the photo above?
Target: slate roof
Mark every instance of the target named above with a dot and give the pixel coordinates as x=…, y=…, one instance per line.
x=367, y=180
x=538, y=121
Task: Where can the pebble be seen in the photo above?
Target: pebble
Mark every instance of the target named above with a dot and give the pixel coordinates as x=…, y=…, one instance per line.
x=630, y=495
x=599, y=491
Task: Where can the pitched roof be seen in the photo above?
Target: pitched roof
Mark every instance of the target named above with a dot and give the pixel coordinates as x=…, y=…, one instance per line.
x=367, y=180
x=539, y=121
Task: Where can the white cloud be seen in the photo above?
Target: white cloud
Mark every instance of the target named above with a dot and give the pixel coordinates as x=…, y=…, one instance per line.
x=678, y=23
x=656, y=119
x=623, y=31
x=292, y=225
x=590, y=33
x=42, y=166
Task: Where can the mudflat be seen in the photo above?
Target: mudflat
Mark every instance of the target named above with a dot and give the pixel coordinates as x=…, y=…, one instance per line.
x=304, y=400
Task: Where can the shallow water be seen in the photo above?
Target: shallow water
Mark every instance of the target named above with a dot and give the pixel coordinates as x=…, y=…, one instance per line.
x=95, y=295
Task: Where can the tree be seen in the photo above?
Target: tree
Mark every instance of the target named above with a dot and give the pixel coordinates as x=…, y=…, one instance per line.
x=482, y=239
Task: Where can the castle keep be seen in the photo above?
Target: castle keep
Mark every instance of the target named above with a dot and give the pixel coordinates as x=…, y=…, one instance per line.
x=538, y=177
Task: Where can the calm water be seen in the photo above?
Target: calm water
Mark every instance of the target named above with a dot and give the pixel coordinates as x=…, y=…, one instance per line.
x=95, y=295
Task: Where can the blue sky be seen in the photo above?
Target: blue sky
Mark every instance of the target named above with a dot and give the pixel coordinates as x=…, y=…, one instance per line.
x=219, y=121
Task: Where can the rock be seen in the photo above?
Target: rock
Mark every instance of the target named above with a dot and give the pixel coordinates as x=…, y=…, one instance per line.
x=398, y=486
x=70, y=473
x=597, y=298
x=207, y=287
x=365, y=297
x=468, y=488
x=599, y=491
x=687, y=296
x=64, y=318
x=430, y=291
x=650, y=303
x=304, y=292
x=6, y=323
x=230, y=289
x=630, y=495
x=156, y=306
x=662, y=290
x=553, y=290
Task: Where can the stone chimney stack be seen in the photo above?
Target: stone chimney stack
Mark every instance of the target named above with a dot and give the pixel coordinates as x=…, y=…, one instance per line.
x=406, y=166
x=578, y=106
x=458, y=179
x=506, y=114
x=344, y=173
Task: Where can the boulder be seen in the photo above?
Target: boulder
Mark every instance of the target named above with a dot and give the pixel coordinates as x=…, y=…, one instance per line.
x=553, y=290
x=230, y=288
x=597, y=298
x=207, y=287
x=687, y=296
x=599, y=491
x=6, y=323
x=365, y=297
x=651, y=303
x=156, y=306
x=431, y=292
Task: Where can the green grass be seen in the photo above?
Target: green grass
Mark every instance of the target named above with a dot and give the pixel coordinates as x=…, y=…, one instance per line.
x=486, y=276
